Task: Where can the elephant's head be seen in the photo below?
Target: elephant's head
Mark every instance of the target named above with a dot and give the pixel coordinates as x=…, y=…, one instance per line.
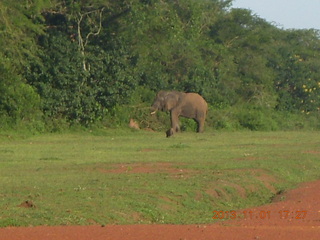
x=165, y=101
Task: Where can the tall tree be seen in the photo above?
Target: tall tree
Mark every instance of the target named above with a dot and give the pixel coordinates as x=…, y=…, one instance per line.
x=19, y=25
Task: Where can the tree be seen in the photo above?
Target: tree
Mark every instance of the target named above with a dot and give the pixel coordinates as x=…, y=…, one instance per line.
x=297, y=81
x=18, y=28
x=79, y=78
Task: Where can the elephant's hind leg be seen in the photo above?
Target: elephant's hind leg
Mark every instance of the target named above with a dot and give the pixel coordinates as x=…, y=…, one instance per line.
x=200, y=123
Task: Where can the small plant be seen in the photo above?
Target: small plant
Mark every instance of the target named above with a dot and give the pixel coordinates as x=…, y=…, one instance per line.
x=180, y=145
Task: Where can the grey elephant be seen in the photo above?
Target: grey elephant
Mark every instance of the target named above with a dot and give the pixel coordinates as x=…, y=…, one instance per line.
x=189, y=105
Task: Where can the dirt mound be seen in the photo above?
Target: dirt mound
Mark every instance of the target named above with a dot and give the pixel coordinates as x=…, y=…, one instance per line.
x=27, y=204
x=295, y=215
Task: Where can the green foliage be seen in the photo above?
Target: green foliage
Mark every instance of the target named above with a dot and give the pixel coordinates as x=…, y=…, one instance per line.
x=297, y=81
x=102, y=61
x=255, y=118
x=61, y=85
x=19, y=102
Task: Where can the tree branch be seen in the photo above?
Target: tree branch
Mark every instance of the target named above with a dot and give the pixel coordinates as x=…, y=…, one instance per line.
x=81, y=42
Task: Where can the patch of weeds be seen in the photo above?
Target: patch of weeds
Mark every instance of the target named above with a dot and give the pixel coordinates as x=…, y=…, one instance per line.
x=10, y=222
x=230, y=190
x=6, y=151
x=153, y=215
x=50, y=159
x=180, y=145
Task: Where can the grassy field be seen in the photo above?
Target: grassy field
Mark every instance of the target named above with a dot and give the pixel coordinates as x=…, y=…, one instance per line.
x=125, y=177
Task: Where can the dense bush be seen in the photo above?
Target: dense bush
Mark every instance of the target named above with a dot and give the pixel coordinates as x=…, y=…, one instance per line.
x=66, y=63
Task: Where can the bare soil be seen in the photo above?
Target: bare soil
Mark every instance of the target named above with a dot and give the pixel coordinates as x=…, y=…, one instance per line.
x=129, y=168
x=294, y=215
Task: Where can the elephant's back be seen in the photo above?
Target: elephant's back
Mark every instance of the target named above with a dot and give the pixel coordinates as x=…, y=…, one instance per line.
x=198, y=99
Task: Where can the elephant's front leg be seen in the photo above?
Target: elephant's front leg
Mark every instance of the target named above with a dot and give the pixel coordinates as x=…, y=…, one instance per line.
x=169, y=132
x=174, y=123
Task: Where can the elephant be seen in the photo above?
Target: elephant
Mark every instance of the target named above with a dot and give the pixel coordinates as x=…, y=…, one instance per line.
x=189, y=105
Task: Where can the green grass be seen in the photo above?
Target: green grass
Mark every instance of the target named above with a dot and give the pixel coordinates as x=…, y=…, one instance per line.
x=125, y=177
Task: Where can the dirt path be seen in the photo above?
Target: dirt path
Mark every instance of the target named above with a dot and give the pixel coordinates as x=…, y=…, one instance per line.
x=297, y=217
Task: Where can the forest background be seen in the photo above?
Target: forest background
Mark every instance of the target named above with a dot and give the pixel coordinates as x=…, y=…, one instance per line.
x=67, y=63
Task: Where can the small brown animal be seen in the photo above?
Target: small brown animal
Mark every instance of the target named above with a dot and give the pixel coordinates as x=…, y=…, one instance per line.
x=133, y=124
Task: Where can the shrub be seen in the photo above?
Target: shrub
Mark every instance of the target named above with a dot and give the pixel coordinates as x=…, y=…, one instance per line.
x=256, y=118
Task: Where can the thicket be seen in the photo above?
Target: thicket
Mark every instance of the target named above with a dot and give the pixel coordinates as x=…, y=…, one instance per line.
x=77, y=62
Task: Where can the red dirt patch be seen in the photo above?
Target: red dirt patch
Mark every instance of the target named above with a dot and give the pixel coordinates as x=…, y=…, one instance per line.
x=290, y=227
x=147, y=167
x=312, y=152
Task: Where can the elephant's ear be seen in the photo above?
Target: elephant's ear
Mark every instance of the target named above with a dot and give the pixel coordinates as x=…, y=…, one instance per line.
x=170, y=102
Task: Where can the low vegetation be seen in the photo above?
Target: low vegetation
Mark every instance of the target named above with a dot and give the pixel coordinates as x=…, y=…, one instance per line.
x=136, y=176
